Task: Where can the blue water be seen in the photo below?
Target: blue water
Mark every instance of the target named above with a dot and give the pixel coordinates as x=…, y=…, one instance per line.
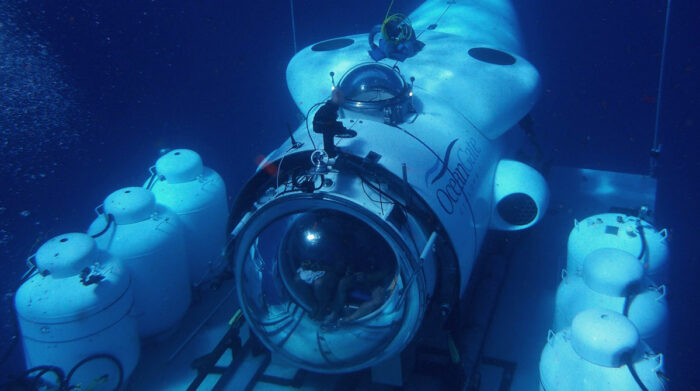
x=91, y=91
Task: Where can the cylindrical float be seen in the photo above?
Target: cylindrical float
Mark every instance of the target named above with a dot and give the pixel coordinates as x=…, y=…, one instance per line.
x=614, y=279
x=600, y=351
x=197, y=194
x=147, y=238
x=612, y=230
x=75, y=313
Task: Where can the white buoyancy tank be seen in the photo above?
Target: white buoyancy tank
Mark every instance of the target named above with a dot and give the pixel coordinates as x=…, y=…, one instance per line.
x=600, y=351
x=197, y=194
x=614, y=279
x=611, y=230
x=75, y=313
x=147, y=238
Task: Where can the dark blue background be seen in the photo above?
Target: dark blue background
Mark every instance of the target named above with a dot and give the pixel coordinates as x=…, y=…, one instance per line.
x=210, y=76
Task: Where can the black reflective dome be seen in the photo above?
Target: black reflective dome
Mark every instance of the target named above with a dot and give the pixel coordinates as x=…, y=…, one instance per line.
x=316, y=237
x=333, y=241
x=287, y=301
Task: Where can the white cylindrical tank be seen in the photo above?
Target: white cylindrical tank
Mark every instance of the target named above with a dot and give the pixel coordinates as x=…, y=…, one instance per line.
x=147, y=238
x=612, y=230
x=614, y=279
x=76, y=307
x=600, y=351
x=197, y=194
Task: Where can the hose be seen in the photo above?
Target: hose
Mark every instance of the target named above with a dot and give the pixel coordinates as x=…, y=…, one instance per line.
x=32, y=381
x=645, y=247
x=82, y=362
x=110, y=220
x=403, y=24
x=306, y=120
x=635, y=375
x=44, y=369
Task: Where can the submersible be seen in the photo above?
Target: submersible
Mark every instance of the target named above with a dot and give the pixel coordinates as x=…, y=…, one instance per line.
x=424, y=176
x=422, y=173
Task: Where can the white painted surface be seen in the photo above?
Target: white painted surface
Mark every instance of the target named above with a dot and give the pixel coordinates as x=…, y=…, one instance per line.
x=151, y=248
x=197, y=194
x=64, y=321
x=591, y=356
x=613, y=230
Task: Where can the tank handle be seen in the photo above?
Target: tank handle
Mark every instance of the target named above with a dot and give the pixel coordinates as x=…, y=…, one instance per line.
x=31, y=261
x=664, y=234
x=100, y=210
x=206, y=181
x=564, y=275
x=151, y=179
x=550, y=336
x=662, y=292
x=31, y=267
x=659, y=358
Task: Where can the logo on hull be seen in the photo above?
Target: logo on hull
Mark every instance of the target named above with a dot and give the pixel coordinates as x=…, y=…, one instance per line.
x=450, y=194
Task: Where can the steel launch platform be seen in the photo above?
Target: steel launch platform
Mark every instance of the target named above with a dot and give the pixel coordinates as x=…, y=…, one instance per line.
x=506, y=315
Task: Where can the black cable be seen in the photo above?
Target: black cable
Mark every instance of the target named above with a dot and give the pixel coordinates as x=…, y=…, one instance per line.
x=306, y=120
x=110, y=220
x=635, y=375
x=369, y=197
x=628, y=298
x=371, y=186
x=434, y=25
x=640, y=229
x=63, y=381
x=626, y=306
x=82, y=362
x=151, y=181
x=423, y=144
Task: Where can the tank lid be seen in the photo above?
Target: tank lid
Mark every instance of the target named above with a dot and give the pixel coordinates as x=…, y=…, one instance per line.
x=50, y=300
x=130, y=205
x=603, y=337
x=66, y=255
x=612, y=272
x=180, y=165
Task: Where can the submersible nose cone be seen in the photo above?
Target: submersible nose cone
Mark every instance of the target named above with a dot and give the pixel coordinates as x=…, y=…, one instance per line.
x=66, y=255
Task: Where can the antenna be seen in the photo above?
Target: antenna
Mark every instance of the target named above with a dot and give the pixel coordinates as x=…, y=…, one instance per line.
x=295, y=143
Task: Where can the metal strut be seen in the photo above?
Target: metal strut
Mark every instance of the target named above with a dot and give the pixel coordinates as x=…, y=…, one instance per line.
x=294, y=28
x=656, y=147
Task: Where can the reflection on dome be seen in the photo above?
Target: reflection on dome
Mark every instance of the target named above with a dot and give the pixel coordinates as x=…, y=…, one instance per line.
x=312, y=279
